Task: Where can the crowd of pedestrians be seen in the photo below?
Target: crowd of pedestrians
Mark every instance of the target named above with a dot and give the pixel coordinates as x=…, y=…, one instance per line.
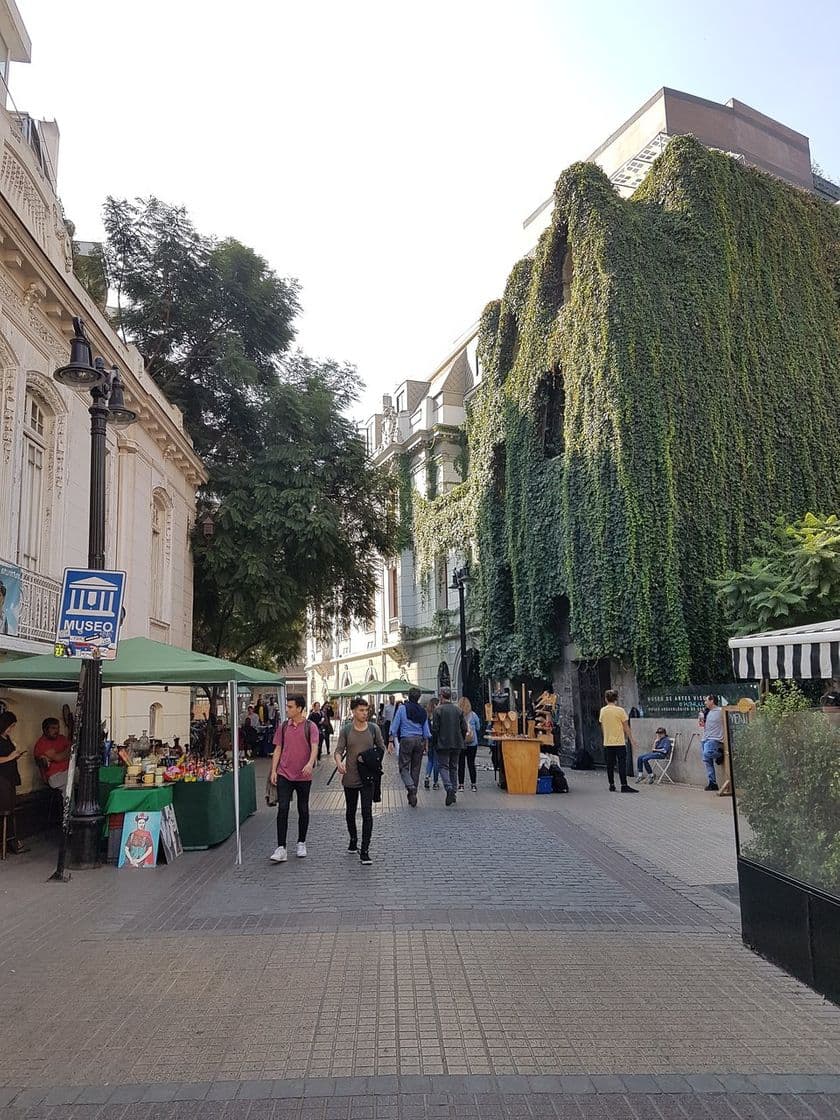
x=443, y=734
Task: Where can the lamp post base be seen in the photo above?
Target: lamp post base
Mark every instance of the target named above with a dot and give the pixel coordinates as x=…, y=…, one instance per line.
x=85, y=842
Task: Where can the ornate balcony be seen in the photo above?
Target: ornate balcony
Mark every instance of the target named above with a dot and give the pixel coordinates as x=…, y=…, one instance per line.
x=39, y=607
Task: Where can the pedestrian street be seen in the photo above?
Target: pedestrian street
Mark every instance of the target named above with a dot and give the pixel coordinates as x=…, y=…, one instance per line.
x=563, y=955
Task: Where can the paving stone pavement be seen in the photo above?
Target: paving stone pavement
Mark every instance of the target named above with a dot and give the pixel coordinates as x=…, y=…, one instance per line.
x=503, y=957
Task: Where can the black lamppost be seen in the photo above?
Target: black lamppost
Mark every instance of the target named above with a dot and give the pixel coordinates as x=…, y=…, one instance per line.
x=460, y=579
x=106, y=389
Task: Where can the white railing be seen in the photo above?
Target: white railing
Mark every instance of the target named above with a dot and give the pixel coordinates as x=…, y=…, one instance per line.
x=39, y=607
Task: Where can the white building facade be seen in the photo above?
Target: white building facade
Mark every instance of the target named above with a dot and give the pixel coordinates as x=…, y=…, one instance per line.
x=419, y=436
x=152, y=470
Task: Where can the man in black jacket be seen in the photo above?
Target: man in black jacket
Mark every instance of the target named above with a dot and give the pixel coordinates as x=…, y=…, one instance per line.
x=449, y=731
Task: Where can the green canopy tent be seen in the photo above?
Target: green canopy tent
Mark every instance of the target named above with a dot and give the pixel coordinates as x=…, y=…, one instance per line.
x=140, y=661
x=400, y=684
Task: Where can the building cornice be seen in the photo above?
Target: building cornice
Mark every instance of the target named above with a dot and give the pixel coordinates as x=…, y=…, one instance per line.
x=43, y=303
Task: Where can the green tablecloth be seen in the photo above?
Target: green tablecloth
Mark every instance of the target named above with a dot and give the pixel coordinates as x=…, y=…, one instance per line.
x=128, y=800
x=205, y=809
x=110, y=777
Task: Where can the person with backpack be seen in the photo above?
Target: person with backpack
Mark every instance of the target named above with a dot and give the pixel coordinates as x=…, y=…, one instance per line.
x=432, y=768
x=471, y=738
x=410, y=732
x=450, y=729
x=295, y=754
x=357, y=738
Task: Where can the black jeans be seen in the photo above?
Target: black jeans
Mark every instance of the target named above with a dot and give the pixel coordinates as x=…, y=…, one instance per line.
x=616, y=755
x=351, y=797
x=467, y=759
x=284, y=801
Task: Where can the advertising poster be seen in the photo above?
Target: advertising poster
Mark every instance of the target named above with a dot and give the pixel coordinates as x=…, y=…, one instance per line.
x=10, y=598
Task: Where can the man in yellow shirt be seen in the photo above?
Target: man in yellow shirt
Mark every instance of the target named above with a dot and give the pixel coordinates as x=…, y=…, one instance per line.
x=615, y=727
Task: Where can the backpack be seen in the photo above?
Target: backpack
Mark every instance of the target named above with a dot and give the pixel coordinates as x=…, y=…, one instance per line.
x=559, y=783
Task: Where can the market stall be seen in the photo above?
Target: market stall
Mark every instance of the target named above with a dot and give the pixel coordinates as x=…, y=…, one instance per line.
x=209, y=809
x=787, y=809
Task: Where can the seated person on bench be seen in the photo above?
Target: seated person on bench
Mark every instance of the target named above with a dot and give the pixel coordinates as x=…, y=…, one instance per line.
x=662, y=747
x=52, y=754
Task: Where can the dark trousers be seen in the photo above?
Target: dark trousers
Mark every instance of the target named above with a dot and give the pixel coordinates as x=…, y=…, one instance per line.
x=285, y=788
x=447, y=760
x=410, y=761
x=467, y=759
x=351, y=797
x=324, y=742
x=616, y=755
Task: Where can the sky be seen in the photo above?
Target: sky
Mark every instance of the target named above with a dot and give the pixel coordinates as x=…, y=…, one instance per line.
x=384, y=153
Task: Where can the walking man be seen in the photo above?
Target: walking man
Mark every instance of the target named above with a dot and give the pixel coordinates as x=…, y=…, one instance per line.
x=386, y=717
x=295, y=754
x=410, y=731
x=615, y=727
x=450, y=729
x=712, y=744
x=354, y=739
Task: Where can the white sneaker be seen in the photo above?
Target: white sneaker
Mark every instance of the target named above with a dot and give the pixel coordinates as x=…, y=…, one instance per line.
x=651, y=779
x=279, y=855
x=301, y=849
x=640, y=778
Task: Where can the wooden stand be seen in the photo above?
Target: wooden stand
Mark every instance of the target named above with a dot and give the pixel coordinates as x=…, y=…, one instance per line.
x=522, y=764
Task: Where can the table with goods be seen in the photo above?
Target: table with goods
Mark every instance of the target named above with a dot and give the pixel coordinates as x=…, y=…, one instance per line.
x=200, y=789
x=525, y=761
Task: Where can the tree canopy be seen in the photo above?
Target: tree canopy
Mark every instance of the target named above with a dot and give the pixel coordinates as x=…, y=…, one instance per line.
x=299, y=513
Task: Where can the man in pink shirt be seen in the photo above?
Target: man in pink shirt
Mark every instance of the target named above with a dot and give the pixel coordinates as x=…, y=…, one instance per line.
x=295, y=754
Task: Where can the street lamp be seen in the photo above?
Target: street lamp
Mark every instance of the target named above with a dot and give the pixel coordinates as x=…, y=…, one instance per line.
x=106, y=389
x=460, y=579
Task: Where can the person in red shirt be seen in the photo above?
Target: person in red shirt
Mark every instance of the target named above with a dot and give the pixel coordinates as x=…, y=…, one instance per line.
x=52, y=754
x=295, y=754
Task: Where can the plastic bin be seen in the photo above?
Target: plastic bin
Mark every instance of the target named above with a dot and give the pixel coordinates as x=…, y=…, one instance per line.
x=545, y=784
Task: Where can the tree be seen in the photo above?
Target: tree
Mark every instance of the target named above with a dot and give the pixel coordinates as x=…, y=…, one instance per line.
x=793, y=578
x=299, y=512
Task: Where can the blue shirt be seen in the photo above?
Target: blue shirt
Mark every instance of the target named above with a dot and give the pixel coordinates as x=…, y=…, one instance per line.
x=475, y=723
x=404, y=728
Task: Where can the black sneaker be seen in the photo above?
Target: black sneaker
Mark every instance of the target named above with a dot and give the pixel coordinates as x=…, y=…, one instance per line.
x=426, y=784
x=628, y=789
x=412, y=798
x=450, y=797
x=712, y=786
x=612, y=789
x=365, y=859
x=353, y=847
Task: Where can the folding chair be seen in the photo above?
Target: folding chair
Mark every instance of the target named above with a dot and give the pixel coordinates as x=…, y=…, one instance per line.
x=663, y=765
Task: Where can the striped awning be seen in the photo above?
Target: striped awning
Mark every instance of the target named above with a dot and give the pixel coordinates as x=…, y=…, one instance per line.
x=798, y=652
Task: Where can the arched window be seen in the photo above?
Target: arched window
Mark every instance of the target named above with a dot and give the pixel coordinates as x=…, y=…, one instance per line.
x=160, y=558
x=36, y=449
x=155, y=711
x=443, y=677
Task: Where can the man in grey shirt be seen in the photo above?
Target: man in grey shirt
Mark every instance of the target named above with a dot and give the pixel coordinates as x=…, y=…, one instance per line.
x=449, y=731
x=712, y=743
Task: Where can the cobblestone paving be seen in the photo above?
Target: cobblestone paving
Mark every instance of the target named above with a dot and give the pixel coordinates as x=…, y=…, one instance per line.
x=504, y=957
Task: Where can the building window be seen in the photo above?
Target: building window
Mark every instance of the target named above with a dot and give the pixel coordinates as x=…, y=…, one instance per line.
x=393, y=595
x=400, y=403
x=35, y=454
x=155, y=727
x=551, y=415
x=160, y=557
x=441, y=584
x=443, y=677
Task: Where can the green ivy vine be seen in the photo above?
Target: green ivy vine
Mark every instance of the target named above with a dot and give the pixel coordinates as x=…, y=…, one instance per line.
x=698, y=359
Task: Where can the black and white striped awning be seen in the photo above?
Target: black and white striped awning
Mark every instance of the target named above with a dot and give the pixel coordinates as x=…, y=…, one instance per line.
x=798, y=652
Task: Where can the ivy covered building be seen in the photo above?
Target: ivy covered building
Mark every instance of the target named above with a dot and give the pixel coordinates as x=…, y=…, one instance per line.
x=659, y=378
